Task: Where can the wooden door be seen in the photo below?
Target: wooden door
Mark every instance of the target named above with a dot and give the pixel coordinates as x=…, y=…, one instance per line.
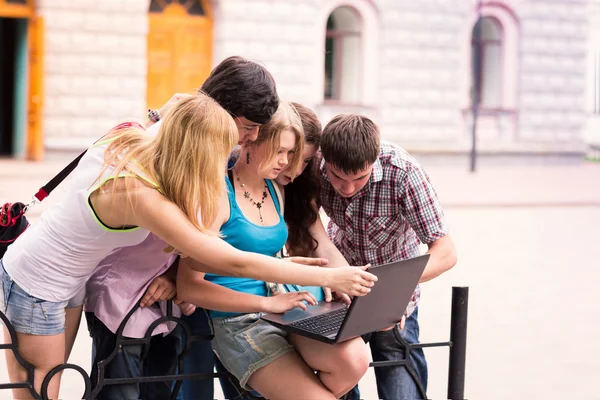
x=179, y=48
x=24, y=9
x=16, y=8
x=35, y=139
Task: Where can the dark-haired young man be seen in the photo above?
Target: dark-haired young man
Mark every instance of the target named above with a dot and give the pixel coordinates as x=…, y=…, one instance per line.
x=243, y=88
x=248, y=92
x=381, y=206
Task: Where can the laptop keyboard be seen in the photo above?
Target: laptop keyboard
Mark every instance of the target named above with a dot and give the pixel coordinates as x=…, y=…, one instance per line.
x=322, y=323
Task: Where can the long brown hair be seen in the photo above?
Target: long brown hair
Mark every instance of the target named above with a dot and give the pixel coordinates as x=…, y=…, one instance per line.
x=302, y=201
x=186, y=158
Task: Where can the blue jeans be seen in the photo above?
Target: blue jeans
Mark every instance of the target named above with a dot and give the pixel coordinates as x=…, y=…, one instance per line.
x=161, y=360
x=395, y=383
x=230, y=391
x=201, y=359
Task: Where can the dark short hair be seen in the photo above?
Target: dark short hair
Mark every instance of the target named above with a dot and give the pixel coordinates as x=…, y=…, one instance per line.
x=243, y=88
x=350, y=142
x=310, y=124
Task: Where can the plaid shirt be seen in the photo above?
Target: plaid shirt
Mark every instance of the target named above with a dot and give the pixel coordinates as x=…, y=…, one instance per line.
x=385, y=221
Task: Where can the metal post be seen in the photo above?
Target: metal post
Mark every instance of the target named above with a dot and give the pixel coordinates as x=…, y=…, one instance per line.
x=458, y=338
x=476, y=85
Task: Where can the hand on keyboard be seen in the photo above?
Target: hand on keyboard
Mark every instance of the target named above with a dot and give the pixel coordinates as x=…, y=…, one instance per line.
x=287, y=301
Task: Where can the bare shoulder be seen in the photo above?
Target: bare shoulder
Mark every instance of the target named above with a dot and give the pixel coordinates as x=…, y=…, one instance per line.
x=124, y=124
x=129, y=122
x=125, y=184
x=223, y=214
x=132, y=193
x=120, y=202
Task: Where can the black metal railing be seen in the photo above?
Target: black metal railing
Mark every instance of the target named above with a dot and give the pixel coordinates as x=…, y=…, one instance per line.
x=456, y=374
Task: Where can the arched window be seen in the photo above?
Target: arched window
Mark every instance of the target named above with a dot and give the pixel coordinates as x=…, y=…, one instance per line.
x=342, y=56
x=486, y=62
x=192, y=7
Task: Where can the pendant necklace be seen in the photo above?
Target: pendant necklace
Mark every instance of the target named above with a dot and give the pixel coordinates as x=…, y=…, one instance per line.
x=256, y=204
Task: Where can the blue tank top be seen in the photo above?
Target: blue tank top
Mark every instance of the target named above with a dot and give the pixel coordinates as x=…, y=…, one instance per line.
x=245, y=235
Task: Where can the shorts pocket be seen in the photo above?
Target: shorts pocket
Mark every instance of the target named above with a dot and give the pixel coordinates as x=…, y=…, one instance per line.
x=5, y=288
x=249, y=325
x=240, y=324
x=230, y=333
x=50, y=310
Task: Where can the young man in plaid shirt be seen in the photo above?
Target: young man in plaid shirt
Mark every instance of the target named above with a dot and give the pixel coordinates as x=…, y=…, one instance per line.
x=382, y=206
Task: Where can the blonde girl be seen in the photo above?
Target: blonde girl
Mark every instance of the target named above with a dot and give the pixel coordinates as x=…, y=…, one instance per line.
x=127, y=185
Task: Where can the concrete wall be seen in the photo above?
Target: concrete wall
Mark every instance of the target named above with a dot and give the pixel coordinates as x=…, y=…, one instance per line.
x=415, y=66
x=417, y=55
x=553, y=73
x=95, y=67
x=592, y=132
x=421, y=72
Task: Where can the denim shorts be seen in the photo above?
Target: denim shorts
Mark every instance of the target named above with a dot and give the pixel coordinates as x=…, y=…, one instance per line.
x=28, y=314
x=245, y=343
x=77, y=300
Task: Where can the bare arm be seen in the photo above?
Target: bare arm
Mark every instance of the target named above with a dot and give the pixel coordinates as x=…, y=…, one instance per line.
x=147, y=210
x=194, y=289
x=326, y=248
x=442, y=258
x=167, y=107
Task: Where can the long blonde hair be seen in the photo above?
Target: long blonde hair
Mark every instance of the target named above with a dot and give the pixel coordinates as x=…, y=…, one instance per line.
x=285, y=118
x=186, y=159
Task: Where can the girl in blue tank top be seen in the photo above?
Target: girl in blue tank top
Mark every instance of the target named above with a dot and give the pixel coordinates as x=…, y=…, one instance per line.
x=251, y=219
x=243, y=234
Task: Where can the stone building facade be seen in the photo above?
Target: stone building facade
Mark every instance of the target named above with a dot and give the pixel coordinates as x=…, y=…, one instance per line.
x=407, y=63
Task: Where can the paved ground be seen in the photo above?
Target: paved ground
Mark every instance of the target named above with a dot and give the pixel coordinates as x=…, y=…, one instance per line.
x=527, y=240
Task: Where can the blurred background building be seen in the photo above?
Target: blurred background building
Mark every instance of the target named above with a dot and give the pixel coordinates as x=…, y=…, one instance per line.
x=71, y=69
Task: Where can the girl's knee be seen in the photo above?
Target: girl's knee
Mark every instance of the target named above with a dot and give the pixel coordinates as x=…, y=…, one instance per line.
x=362, y=361
x=355, y=359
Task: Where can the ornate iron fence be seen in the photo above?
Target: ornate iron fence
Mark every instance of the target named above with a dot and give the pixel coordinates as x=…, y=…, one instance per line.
x=456, y=374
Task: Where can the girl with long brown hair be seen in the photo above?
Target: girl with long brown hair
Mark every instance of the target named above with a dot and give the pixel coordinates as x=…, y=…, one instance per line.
x=259, y=355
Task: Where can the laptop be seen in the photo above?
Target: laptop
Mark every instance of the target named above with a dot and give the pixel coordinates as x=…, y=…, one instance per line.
x=383, y=307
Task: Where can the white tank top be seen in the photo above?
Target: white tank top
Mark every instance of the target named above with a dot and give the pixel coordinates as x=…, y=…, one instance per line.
x=55, y=256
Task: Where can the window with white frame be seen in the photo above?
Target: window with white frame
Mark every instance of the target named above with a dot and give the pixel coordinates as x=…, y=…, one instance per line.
x=342, y=56
x=486, y=62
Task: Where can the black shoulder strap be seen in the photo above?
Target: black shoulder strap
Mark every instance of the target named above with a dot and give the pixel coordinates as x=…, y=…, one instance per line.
x=54, y=182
